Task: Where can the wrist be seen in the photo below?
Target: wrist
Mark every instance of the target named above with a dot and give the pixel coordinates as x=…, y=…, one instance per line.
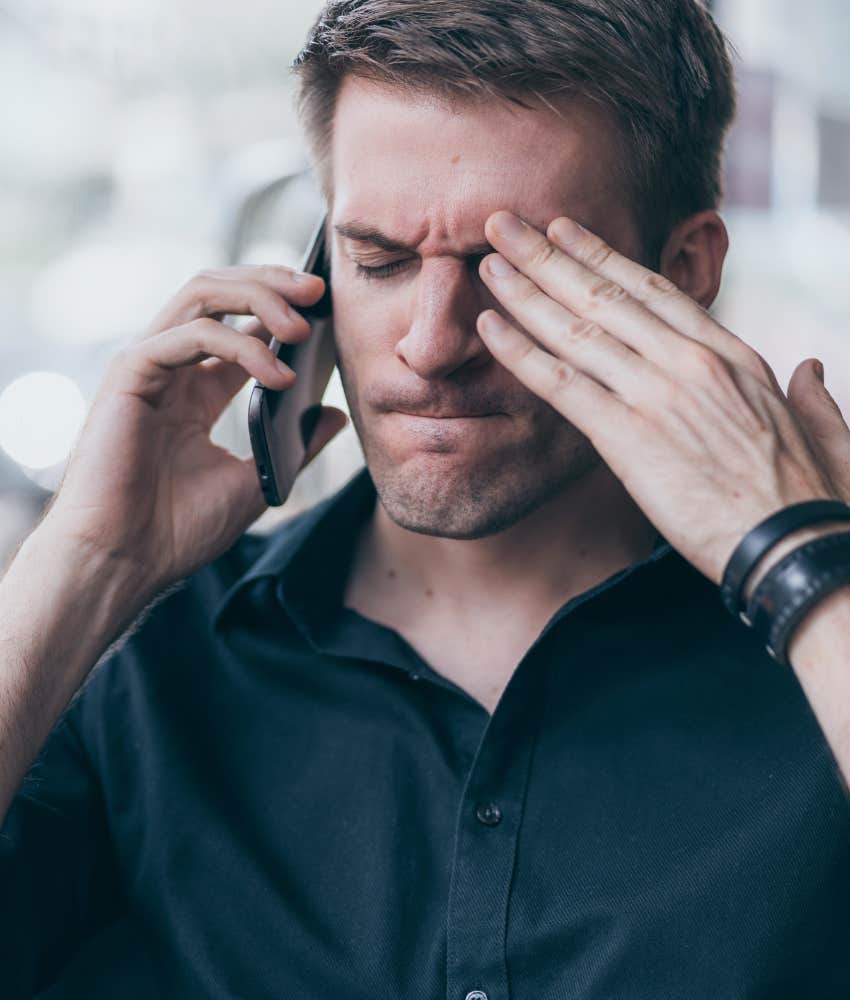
x=74, y=556
x=782, y=549
x=815, y=635
x=62, y=603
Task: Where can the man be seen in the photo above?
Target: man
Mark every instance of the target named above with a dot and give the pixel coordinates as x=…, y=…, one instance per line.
x=478, y=726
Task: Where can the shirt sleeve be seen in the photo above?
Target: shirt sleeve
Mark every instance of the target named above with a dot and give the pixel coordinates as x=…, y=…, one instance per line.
x=59, y=881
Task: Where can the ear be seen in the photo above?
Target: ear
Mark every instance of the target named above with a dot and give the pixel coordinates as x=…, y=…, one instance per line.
x=693, y=255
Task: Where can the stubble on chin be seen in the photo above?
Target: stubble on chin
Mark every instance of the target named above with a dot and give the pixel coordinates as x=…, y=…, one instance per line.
x=431, y=496
x=427, y=497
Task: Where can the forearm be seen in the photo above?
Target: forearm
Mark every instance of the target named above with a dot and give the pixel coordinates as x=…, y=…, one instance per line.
x=819, y=650
x=61, y=604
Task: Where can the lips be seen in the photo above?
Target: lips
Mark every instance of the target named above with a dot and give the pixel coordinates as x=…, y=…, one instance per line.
x=457, y=414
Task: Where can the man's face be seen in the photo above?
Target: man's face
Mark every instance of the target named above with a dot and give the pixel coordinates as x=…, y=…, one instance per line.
x=457, y=447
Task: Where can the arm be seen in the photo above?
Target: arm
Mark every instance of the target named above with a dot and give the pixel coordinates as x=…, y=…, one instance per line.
x=61, y=604
x=820, y=655
x=146, y=499
x=688, y=416
x=819, y=650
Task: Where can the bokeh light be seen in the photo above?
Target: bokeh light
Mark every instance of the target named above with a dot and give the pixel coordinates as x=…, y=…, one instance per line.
x=41, y=414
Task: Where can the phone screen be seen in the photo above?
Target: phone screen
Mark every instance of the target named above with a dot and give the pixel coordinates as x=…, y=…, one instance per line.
x=281, y=422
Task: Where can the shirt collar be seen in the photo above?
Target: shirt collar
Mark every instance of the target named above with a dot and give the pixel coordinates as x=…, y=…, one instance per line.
x=309, y=548
x=307, y=553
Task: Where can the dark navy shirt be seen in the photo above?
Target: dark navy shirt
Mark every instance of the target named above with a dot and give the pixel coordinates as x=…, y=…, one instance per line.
x=266, y=795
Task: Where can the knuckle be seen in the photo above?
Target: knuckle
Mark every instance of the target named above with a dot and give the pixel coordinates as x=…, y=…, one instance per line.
x=705, y=365
x=201, y=324
x=257, y=294
x=541, y=253
x=527, y=293
x=756, y=364
x=272, y=272
x=261, y=296
x=200, y=282
x=585, y=329
x=597, y=255
x=602, y=291
x=201, y=329
x=653, y=285
x=700, y=363
x=563, y=375
x=255, y=347
x=197, y=291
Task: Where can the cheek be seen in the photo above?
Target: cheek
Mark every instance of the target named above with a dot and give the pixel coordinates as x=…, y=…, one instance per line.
x=367, y=323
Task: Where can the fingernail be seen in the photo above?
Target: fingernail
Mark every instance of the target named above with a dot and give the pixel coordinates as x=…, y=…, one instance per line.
x=304, y=276
x=818, y=367
x=498, y=266
x=283, y=367
x=509, y=225
x=567, y=231
x=492, y=324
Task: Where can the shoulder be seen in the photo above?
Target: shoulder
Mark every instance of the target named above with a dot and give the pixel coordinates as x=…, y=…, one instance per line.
x=171, y=640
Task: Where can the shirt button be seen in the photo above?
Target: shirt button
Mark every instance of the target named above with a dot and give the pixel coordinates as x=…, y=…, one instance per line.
x=489, y=814
x=476, y=995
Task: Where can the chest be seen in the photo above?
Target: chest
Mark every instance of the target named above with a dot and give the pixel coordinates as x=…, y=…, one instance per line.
x=637, y=837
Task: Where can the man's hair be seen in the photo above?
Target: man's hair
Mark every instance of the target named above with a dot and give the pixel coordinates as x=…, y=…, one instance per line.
x=661, y=67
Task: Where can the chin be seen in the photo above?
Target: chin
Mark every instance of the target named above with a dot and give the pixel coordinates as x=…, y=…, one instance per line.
x=431, y=496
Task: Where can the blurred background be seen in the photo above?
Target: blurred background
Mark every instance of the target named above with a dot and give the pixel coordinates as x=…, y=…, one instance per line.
x=143, y=140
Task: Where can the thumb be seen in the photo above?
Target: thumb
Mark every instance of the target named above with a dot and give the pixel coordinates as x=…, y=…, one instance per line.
x=812, y=401
x=822, y=419
x=331, y=421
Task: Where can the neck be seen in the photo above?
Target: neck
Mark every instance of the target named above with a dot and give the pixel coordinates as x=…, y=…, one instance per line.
x=568, y=545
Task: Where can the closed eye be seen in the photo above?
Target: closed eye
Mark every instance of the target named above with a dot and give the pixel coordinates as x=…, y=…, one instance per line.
x=388, y=270
x=383, y=271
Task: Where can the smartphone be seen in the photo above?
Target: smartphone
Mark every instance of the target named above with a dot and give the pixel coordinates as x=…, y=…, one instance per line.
x=281, y=422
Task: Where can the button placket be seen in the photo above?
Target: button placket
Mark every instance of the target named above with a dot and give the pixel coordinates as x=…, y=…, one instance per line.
x=485, y=849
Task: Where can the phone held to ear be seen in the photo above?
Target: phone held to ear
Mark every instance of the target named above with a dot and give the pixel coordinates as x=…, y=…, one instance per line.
x=281, y=422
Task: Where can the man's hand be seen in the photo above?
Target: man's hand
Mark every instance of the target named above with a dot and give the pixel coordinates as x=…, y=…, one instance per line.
x=689, y=417
x=144, y=483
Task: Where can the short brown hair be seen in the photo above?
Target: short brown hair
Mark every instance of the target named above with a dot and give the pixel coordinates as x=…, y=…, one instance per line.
x=661, y=66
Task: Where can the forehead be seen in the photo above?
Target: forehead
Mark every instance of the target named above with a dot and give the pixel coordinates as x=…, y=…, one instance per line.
x=411, y=161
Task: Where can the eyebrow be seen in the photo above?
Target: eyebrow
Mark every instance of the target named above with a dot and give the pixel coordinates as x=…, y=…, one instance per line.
x=369, y=234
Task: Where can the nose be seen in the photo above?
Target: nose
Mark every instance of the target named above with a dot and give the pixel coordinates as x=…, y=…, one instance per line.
x=441, y=337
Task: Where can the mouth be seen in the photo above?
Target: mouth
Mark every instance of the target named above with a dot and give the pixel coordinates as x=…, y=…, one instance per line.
x=450, y=432
x=457, y=415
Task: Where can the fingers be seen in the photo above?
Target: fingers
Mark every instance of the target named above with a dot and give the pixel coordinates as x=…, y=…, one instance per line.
x=147, y=367
x=581, y=290
x=223, y=379
x=640, y=307
x=264, y=291
x=581, y=342
x=659, y=295
x=594, y=410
